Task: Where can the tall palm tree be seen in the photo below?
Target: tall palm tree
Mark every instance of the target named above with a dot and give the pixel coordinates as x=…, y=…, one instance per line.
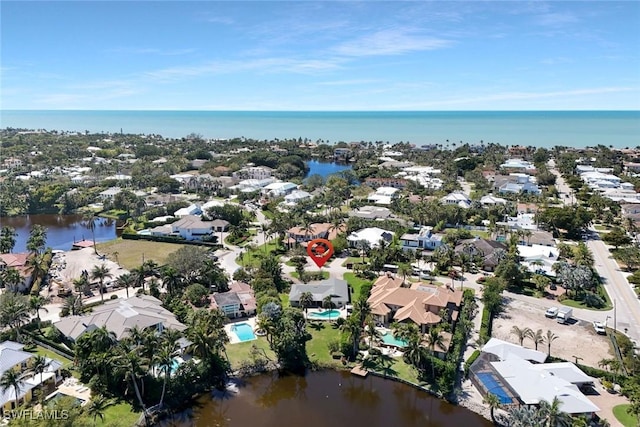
x=37, y=303
x=133, y=366
x=37, y=239
x=171, y=279
x=549, y=338
x=11, y=379
x=363, y=246
x=521, y=333
x=552, y=415
x=306, y=299
x=434, y=339
x=404, y=270
x=537, y=337
x=164, y=362
x=39, y=364
x=37, y=266
x=7, y=239
x=493, y=402
x=353, y=330
x=10, y=279
x=14, y=311
x=101, y=272
x=73, y=304
x=97, y=407
x=90, y=222
x=126, y=281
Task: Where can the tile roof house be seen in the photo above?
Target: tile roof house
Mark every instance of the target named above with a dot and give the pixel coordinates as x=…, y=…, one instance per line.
x=320, y=290
x=13, y=357
x=19, y=262
x=119, y=316
x=320, y=230
x=421, y=304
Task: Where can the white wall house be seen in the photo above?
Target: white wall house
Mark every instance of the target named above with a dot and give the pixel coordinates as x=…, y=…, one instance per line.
x=296, y=197
x=457, y=198
x=189, y=210
x=192, y=227
x=279, y=189
x=383, y=195
x=373, y=236
x=424, y=239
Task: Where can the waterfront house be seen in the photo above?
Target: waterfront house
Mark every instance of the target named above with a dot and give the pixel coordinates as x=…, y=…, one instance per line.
x=253, y=172
x=383, y=195
x=238, y=301
x=120, y=316
x=392, y=300
x=336, y=288
x=13, y=357
x=110, y=193
x=19, y=262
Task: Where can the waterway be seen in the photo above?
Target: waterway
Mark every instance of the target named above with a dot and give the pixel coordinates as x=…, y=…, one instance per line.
x=325, y=169
x=329, y=398
x=62, y=230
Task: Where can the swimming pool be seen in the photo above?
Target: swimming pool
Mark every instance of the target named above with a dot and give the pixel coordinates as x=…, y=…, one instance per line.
x=329, y=314
x=388, y=338
x=243, y=331
x=492, y=386
x=175, y=364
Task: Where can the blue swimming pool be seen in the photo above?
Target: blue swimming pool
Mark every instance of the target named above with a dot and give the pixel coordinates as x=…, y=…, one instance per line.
x=388, y=338
x=491, y=384
x=243, y=331
x=175, y=364
x=328, y=314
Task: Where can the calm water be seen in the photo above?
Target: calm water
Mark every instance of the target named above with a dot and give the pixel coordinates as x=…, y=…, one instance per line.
x=538, y=128
x=329, y=398
x=325, y=169
x=62, y=230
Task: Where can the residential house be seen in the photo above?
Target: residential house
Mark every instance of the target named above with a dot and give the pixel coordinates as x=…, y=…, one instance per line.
x=321, y=230
x=336, y=288
x=424, y=239
x=191, y=227
x=488, y=252
x=538, y=259
x=110, y=193
x=457, y=198
x=251, y=185
x=373, y=236
x=190, y=210
x=516, y=183
x=253, y=172
x=490, y=200
x=372, y=212
x=120, y=316
x=391, y=300
x=527, y=380
x=12, y=162
x=296, y=197
x=238, y=301
x=13, y=357
x=518, y=165
x=279, y=189
x=398, y=183
x=383, y=195
x=19, y=262
x=342, y=153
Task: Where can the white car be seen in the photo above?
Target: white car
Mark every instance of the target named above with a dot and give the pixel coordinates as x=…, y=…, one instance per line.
x=600, y=328
x=551, y=312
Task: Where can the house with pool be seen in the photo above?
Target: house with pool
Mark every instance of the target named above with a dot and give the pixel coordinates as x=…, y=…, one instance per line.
x=238, y=301
x=336, y=288
x=425, y=305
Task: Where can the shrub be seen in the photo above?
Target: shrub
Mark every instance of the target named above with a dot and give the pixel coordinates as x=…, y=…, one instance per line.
x=113, y=297
x=333, y=346
x=593, y=300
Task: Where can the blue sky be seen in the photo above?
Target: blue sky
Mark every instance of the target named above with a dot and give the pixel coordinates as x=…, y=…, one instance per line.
x=333, y=55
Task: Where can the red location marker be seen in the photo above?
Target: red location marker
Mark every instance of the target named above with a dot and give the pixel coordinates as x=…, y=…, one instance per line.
x=320, y=250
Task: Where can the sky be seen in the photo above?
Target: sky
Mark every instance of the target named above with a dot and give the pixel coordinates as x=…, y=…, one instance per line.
x=320, y=56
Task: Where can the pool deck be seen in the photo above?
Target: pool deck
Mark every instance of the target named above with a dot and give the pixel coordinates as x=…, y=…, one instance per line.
x=233, y=338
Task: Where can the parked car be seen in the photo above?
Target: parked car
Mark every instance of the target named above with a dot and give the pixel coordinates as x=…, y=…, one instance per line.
x=600, y=328
x=551, y=312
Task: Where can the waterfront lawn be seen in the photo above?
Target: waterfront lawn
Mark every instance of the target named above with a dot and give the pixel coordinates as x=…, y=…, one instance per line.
x=322, y=332
x=129, y=253
x=626, y=419
x=240, y=352
x=356, y=283
x=119, y=415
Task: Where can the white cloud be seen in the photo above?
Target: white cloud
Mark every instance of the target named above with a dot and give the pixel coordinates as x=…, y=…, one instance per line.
x=390, y=42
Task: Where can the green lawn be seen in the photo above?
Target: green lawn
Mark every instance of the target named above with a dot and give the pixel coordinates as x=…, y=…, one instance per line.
x=119, y=415
x=129, y=253
x=68, y=363
x=284, y=298
x=356, y=283
x=626, y=419
x=325, y=274
x=354, y=260
x=254, y=256
x=241, y=351
x=580, y=304
x=481, y=234
x=322, y=333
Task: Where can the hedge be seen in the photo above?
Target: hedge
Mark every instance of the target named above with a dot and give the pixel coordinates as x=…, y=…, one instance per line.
x=470, y=361
x=166, y=239
x=486, y=325
x=61, y=348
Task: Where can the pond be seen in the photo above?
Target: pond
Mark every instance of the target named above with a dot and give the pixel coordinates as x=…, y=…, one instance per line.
x=325, y=169
x=62, y=230
x=329, y=398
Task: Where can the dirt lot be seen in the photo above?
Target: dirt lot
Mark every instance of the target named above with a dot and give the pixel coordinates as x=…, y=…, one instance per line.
x=577, y=339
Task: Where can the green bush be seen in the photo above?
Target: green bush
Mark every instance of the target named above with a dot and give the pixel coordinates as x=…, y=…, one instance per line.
x=470, y=361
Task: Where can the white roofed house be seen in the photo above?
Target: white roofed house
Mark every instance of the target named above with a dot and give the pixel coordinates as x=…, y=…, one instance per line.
x=279, y=189
x=373, y=236
x=336, y=288
x=424, y=239
x=110, y=193
x=192, y=209
x=192, y=227
x=457, y=198
x=490, y=200
x=13, y=357
x=296, y=197
x=383, y=195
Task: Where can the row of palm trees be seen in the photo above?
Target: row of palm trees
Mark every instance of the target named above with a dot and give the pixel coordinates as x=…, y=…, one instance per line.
x=537, y=337
x=16, y=310
x=545, y=414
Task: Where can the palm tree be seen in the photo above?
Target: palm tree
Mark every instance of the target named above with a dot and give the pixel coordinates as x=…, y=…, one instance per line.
x=11, y=378
x=14, y=311
x=363, y=246
x=100, y=272
x=133, y=366
x=537, y=337
x=73, y=304
x=171, y=279
x=126, y=281
x=90, y=222
x=37, y=239
x=37, y=266
x=39, y=364
x=552, y=415
x=164, y=361
x=433, y=339
x=521, y=333
x=7, y=239
x=493, y=402
x=353, y=330
x=97, y=407
x=404, y=270
x=549, y=338
x=10, y=278
x=306, y=299
x=37, y=303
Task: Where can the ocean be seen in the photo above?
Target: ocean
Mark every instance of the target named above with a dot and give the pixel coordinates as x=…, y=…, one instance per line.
x=537, y=128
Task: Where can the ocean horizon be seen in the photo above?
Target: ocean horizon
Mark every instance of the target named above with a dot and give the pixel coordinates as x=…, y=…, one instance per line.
x=583, y=128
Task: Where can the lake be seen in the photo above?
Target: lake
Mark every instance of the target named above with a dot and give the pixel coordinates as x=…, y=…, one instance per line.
x=62, y=230
x=329, y=398
x=325, y=169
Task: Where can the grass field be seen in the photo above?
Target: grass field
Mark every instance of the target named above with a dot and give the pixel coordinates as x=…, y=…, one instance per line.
x=119, y=415
x=129, y=253
x=325, y=274
x=317, y=348
x=626, y=419
x=68, y=363
x=241, y=351
x=356, y=283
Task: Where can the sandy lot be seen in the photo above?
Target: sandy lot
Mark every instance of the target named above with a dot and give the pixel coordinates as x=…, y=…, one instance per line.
x=578, y=339
x=69, y=265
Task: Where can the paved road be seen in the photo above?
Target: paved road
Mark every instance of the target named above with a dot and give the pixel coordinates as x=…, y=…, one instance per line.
x=566, y=193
